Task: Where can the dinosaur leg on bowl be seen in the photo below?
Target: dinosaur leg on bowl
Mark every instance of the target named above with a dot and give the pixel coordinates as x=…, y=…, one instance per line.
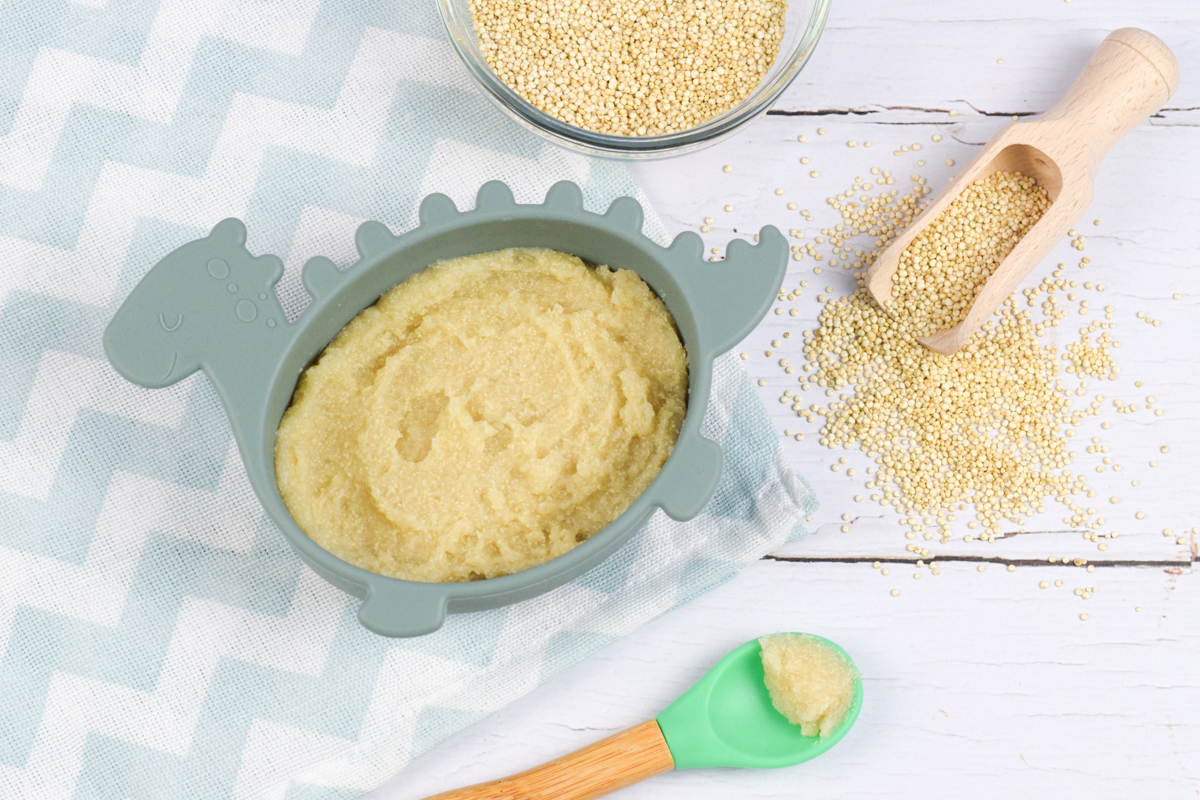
x=730, y=297
x=401, y=609
x=692, y=480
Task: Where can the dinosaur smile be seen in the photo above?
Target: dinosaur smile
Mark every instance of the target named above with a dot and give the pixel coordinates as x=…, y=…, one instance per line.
x=170, y=369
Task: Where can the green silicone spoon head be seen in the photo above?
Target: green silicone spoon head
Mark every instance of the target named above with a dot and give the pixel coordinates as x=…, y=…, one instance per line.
x=727, y=719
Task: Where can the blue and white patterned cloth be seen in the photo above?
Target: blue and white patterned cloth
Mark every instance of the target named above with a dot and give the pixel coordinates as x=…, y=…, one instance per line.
x=158, y=639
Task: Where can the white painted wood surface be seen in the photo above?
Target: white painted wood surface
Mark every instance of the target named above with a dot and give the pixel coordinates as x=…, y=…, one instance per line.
x=977, y=684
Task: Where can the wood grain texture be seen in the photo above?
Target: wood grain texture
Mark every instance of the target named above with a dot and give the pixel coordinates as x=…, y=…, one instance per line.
x=977, y=684
x=621, y=760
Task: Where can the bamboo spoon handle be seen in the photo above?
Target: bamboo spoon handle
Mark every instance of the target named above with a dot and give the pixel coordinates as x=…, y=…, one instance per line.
x=616, y=762
x=1129, y=76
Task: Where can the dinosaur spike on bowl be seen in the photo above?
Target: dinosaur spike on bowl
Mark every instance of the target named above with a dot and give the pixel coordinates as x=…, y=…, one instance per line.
x=373, y=238
x=437, y=209
x=320, y=277
x=564, y=194
x=494, y=196
x=211, y=305
x=627, y=213
x=687, y=246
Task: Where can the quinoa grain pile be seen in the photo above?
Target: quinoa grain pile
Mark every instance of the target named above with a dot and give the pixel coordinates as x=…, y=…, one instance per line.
x=988, y=427
x=631, y=67
x=984, y=426
x=993, y=431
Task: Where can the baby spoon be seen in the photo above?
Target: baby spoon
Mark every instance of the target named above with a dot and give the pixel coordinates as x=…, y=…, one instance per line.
x=725, y=720
x=1131, y=74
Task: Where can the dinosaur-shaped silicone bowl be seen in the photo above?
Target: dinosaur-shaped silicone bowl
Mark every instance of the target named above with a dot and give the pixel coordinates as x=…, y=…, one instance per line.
x=211, y=305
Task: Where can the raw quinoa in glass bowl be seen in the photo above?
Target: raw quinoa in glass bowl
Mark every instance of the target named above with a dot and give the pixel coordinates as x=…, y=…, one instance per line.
x=803, y=23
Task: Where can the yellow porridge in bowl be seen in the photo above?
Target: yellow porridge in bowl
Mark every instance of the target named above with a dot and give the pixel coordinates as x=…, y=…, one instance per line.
x=484, y=416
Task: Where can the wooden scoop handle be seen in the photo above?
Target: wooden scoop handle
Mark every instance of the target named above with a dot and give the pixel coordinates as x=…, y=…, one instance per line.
x=1129, y=76
x=606, y=766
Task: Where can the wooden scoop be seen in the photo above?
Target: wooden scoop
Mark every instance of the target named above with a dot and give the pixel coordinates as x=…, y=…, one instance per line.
x=1128, y=78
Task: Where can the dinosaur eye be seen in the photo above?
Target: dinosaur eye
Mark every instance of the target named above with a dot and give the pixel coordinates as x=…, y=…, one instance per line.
x=170, y=327
x=218, y=268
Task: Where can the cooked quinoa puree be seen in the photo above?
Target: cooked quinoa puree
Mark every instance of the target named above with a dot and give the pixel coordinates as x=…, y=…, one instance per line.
x=486, y=415
x=809, y=682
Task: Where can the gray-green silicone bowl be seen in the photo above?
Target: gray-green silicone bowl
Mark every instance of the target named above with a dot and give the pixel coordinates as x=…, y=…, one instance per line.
x=211, y=305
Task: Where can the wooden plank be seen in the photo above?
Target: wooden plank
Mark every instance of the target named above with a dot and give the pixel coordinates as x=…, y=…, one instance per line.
x=978, y=684
x=926, y=59
x=1141, y=252
x=975, y=684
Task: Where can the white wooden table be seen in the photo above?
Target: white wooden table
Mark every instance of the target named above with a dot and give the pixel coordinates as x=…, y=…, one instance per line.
x=976, y=683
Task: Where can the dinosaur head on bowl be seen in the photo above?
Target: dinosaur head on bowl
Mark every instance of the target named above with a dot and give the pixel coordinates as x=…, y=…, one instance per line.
x=211, y=305
x=161, y=334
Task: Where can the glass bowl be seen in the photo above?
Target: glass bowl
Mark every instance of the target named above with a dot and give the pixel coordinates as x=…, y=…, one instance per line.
x=803, y=24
